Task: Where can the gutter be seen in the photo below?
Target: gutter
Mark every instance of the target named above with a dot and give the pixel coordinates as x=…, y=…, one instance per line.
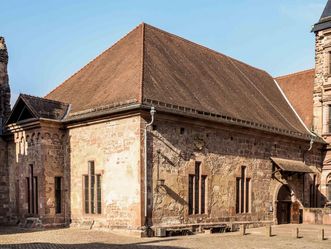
x=152, y=112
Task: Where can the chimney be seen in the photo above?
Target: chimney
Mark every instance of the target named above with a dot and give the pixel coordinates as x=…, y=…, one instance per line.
x=4, y=84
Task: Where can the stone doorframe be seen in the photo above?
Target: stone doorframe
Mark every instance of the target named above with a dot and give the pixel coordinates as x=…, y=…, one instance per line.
x=275, y=199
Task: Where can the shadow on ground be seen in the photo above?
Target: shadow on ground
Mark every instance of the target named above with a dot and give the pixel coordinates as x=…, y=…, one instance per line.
x=140, y=245
x=17, y=230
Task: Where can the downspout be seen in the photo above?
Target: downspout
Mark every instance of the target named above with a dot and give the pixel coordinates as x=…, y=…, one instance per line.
x=152, y=112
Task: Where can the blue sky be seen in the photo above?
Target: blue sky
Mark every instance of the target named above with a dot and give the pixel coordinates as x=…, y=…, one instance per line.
x=49, y=40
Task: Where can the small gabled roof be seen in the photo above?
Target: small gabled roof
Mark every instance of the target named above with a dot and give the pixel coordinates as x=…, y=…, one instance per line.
x=28, y=106
x=325, y=19
x=152, y=67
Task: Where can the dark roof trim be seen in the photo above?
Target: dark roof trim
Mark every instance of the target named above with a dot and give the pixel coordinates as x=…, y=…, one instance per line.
x=225, y=119
x=325, y=19
x=291, y=165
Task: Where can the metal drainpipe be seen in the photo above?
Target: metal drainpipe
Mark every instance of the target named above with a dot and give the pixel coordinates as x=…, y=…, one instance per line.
x=152, y=112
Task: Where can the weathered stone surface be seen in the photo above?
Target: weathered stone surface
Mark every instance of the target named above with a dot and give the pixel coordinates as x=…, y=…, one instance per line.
x=4, y=113
x=115, y=147
x=222, y=151
x=322, y=99
x=4, y=83
x=45, y=148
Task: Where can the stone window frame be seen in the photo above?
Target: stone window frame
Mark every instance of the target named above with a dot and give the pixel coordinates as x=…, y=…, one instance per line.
x=203, y=174
x=327, y=60
x=243, y=196
x=326, y=117
x=96, y=174
x=328, y=187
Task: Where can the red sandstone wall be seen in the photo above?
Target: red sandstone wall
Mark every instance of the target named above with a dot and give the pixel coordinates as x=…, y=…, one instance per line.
x=222, y=151
x=114, y=146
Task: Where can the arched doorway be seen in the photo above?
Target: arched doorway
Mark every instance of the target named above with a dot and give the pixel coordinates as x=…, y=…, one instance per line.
x=284, y=205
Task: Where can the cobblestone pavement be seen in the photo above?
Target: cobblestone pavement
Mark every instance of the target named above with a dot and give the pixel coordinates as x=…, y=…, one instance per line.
x=71, y=238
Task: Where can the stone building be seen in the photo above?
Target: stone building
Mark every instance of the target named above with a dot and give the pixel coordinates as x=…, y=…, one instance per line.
x=225, y=145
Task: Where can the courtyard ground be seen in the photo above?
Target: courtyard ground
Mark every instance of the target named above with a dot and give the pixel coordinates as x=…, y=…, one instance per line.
x=72, y=238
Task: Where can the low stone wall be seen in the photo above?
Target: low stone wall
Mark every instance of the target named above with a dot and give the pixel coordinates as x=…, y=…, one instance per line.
x=317, y=216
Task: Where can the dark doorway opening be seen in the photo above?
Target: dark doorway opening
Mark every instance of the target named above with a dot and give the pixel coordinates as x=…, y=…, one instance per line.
x=284, y=204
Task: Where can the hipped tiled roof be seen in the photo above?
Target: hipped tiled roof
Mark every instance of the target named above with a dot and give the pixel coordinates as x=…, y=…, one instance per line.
x=152, y=66
x=298, y=88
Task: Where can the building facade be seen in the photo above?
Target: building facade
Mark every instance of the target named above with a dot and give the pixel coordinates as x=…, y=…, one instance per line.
x=226, y=145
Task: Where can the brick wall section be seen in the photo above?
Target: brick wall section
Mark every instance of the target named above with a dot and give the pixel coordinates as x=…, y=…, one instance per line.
x=114, y=146
x=222, y=151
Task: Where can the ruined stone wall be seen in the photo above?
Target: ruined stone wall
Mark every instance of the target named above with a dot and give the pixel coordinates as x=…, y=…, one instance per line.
x=45, y=149
x=4, y=113
x=4, y=84
x=114, y=146
x=4, y=189
x=175, y=145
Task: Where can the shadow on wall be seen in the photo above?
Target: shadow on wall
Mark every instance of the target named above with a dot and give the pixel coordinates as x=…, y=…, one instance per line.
x=140, y=245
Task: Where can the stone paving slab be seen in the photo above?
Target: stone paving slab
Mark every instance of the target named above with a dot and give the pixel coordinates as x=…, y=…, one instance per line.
x=73, y=238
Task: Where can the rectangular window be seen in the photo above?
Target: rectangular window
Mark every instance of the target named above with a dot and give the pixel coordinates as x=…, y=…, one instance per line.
x=243, y=186
x=237, y=195
x=247, y=195
x=32, y=192
x=329, y=118
x=312, y=193
x=197, y=191
x=35, y=194
x=28, y=194
x=196, y=188
x=92, y=191
x=99, y=194
x=58, y=195
x=190, y=193
x=203, y=194
x=86, y=195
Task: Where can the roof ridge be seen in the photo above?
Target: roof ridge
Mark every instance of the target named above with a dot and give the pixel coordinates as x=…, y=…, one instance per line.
x=95, y=58
x=202, y=47
x=142, y=62
x=44, y=99
x=295, y=73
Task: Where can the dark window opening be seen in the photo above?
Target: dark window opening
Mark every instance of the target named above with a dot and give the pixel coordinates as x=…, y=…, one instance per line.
x=154, y=127
x=243, y=187
x=58, y=195
x=99, y=194
x=86, y=195
x=312, y=193
x=92, y=191
x=182, y=130
x=197, y=191
x=32, y=192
